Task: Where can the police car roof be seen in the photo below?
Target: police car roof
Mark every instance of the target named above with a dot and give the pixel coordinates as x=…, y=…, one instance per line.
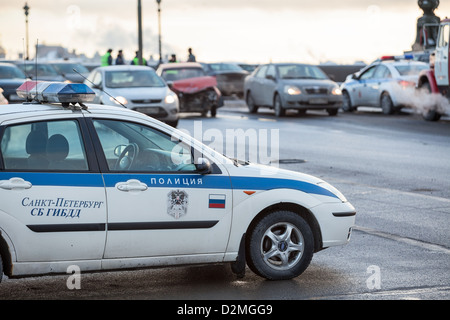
x=14, y=111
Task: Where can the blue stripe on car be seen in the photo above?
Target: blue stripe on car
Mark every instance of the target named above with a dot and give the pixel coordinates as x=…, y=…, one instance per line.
x=166, y=181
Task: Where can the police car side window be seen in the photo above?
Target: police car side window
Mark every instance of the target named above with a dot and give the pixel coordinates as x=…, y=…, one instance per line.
x=382, y=72
x=44, y=146
x=134, y=147
x=261, y=73
x=368, y=73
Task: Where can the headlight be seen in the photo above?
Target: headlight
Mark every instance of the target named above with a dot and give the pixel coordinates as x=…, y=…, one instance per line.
x=119, y=100
x=336, y=91
x=292, y=90
x=170, y=98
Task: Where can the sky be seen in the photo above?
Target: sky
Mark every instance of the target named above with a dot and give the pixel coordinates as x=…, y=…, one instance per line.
x=247, y=31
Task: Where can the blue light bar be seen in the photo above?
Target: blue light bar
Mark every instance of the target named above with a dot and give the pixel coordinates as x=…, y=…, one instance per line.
x=55, y=92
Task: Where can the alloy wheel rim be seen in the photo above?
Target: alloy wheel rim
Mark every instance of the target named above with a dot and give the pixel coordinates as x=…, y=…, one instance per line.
x=282, y=246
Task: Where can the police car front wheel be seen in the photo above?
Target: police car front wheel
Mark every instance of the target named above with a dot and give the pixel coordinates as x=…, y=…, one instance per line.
x=280, y=246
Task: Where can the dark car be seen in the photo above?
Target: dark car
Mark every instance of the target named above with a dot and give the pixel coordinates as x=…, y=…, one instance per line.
x=11, y=77
x=67, y=70
x=230, y=77
x=196, y=91
x=40, y=71
x=284, y=86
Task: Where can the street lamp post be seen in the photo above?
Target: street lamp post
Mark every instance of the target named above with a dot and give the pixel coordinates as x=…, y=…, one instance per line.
x=140, y=32
x=159, y=29
x=26, y=8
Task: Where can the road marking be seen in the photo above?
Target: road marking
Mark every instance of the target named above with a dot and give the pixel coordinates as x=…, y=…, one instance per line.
x=409, y=241
x=393, y=292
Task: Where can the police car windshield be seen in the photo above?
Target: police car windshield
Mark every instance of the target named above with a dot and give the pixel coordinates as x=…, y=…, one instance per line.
x=182, y=73
x=300, y=72
x=132, y=79
x=411, y=70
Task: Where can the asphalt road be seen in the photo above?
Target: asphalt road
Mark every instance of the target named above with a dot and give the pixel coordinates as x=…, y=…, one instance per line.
x=395, y=170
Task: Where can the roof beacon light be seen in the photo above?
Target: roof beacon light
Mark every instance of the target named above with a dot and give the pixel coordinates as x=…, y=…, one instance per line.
x=55, y=92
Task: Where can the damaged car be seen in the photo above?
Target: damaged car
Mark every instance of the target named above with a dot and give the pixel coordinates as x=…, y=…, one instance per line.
x=196, y=91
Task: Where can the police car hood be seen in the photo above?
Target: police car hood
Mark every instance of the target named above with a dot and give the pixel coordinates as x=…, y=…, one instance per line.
x=139, y=93
x=256, y=176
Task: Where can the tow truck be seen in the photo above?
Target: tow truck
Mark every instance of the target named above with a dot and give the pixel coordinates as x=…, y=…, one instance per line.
x=436, y=79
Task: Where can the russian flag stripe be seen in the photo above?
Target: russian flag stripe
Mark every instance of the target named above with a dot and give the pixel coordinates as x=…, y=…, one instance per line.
x=217, y=201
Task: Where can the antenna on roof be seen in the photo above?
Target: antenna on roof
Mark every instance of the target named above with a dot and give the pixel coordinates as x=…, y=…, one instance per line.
x=35, y=63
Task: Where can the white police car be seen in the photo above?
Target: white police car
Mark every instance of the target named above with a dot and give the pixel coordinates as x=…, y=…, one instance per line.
x=388, y=83
x=104, y=187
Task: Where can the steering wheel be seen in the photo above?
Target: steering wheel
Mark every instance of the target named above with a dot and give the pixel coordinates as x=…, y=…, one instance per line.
x=127, y=157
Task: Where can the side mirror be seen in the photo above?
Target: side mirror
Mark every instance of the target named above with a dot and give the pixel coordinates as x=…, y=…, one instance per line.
x=203, y=166
x=270, y=77
x=170, y=84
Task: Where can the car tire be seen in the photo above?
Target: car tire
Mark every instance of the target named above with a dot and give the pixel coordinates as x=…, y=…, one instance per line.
x=332, y=111
x=347, y=102
x=280, y=246
x=301, y=112
x=430, y=114
x=386, y=103
x=278, y=107
x=173, y=123
x=1, y=268
x=252, y=108
x=213, y=111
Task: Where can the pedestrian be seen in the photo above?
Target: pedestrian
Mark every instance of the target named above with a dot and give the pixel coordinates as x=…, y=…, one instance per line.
x=191, y=57
x=119, y=59
x=107, y=58
x=135, y=61
x=173, y=59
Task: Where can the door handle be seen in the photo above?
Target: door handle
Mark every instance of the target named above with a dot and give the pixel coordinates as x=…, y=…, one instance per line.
x=131, y=185
x=15, y=183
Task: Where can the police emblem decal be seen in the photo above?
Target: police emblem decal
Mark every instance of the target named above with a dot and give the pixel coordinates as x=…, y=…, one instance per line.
x=177, y=203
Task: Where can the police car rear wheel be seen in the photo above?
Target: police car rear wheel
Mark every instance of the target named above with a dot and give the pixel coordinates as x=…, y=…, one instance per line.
x=280, y=246
x=386, y=104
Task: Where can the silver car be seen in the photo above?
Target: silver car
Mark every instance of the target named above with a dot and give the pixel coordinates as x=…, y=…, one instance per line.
x=135, y=87
x=284, y=86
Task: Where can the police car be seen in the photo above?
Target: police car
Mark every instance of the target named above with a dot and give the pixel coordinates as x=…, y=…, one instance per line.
x=388, y=83
x=105, y=188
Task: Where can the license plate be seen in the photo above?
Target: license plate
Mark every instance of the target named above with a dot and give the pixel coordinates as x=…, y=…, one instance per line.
x=148, y=110
x=318, y=101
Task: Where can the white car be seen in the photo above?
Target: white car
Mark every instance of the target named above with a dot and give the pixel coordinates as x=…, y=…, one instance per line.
x=104, y=187
x=137, y=88
x=388, y=83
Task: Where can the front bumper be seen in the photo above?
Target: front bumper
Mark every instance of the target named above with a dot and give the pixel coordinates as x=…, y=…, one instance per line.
x=336, y=221
x=312, y=101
